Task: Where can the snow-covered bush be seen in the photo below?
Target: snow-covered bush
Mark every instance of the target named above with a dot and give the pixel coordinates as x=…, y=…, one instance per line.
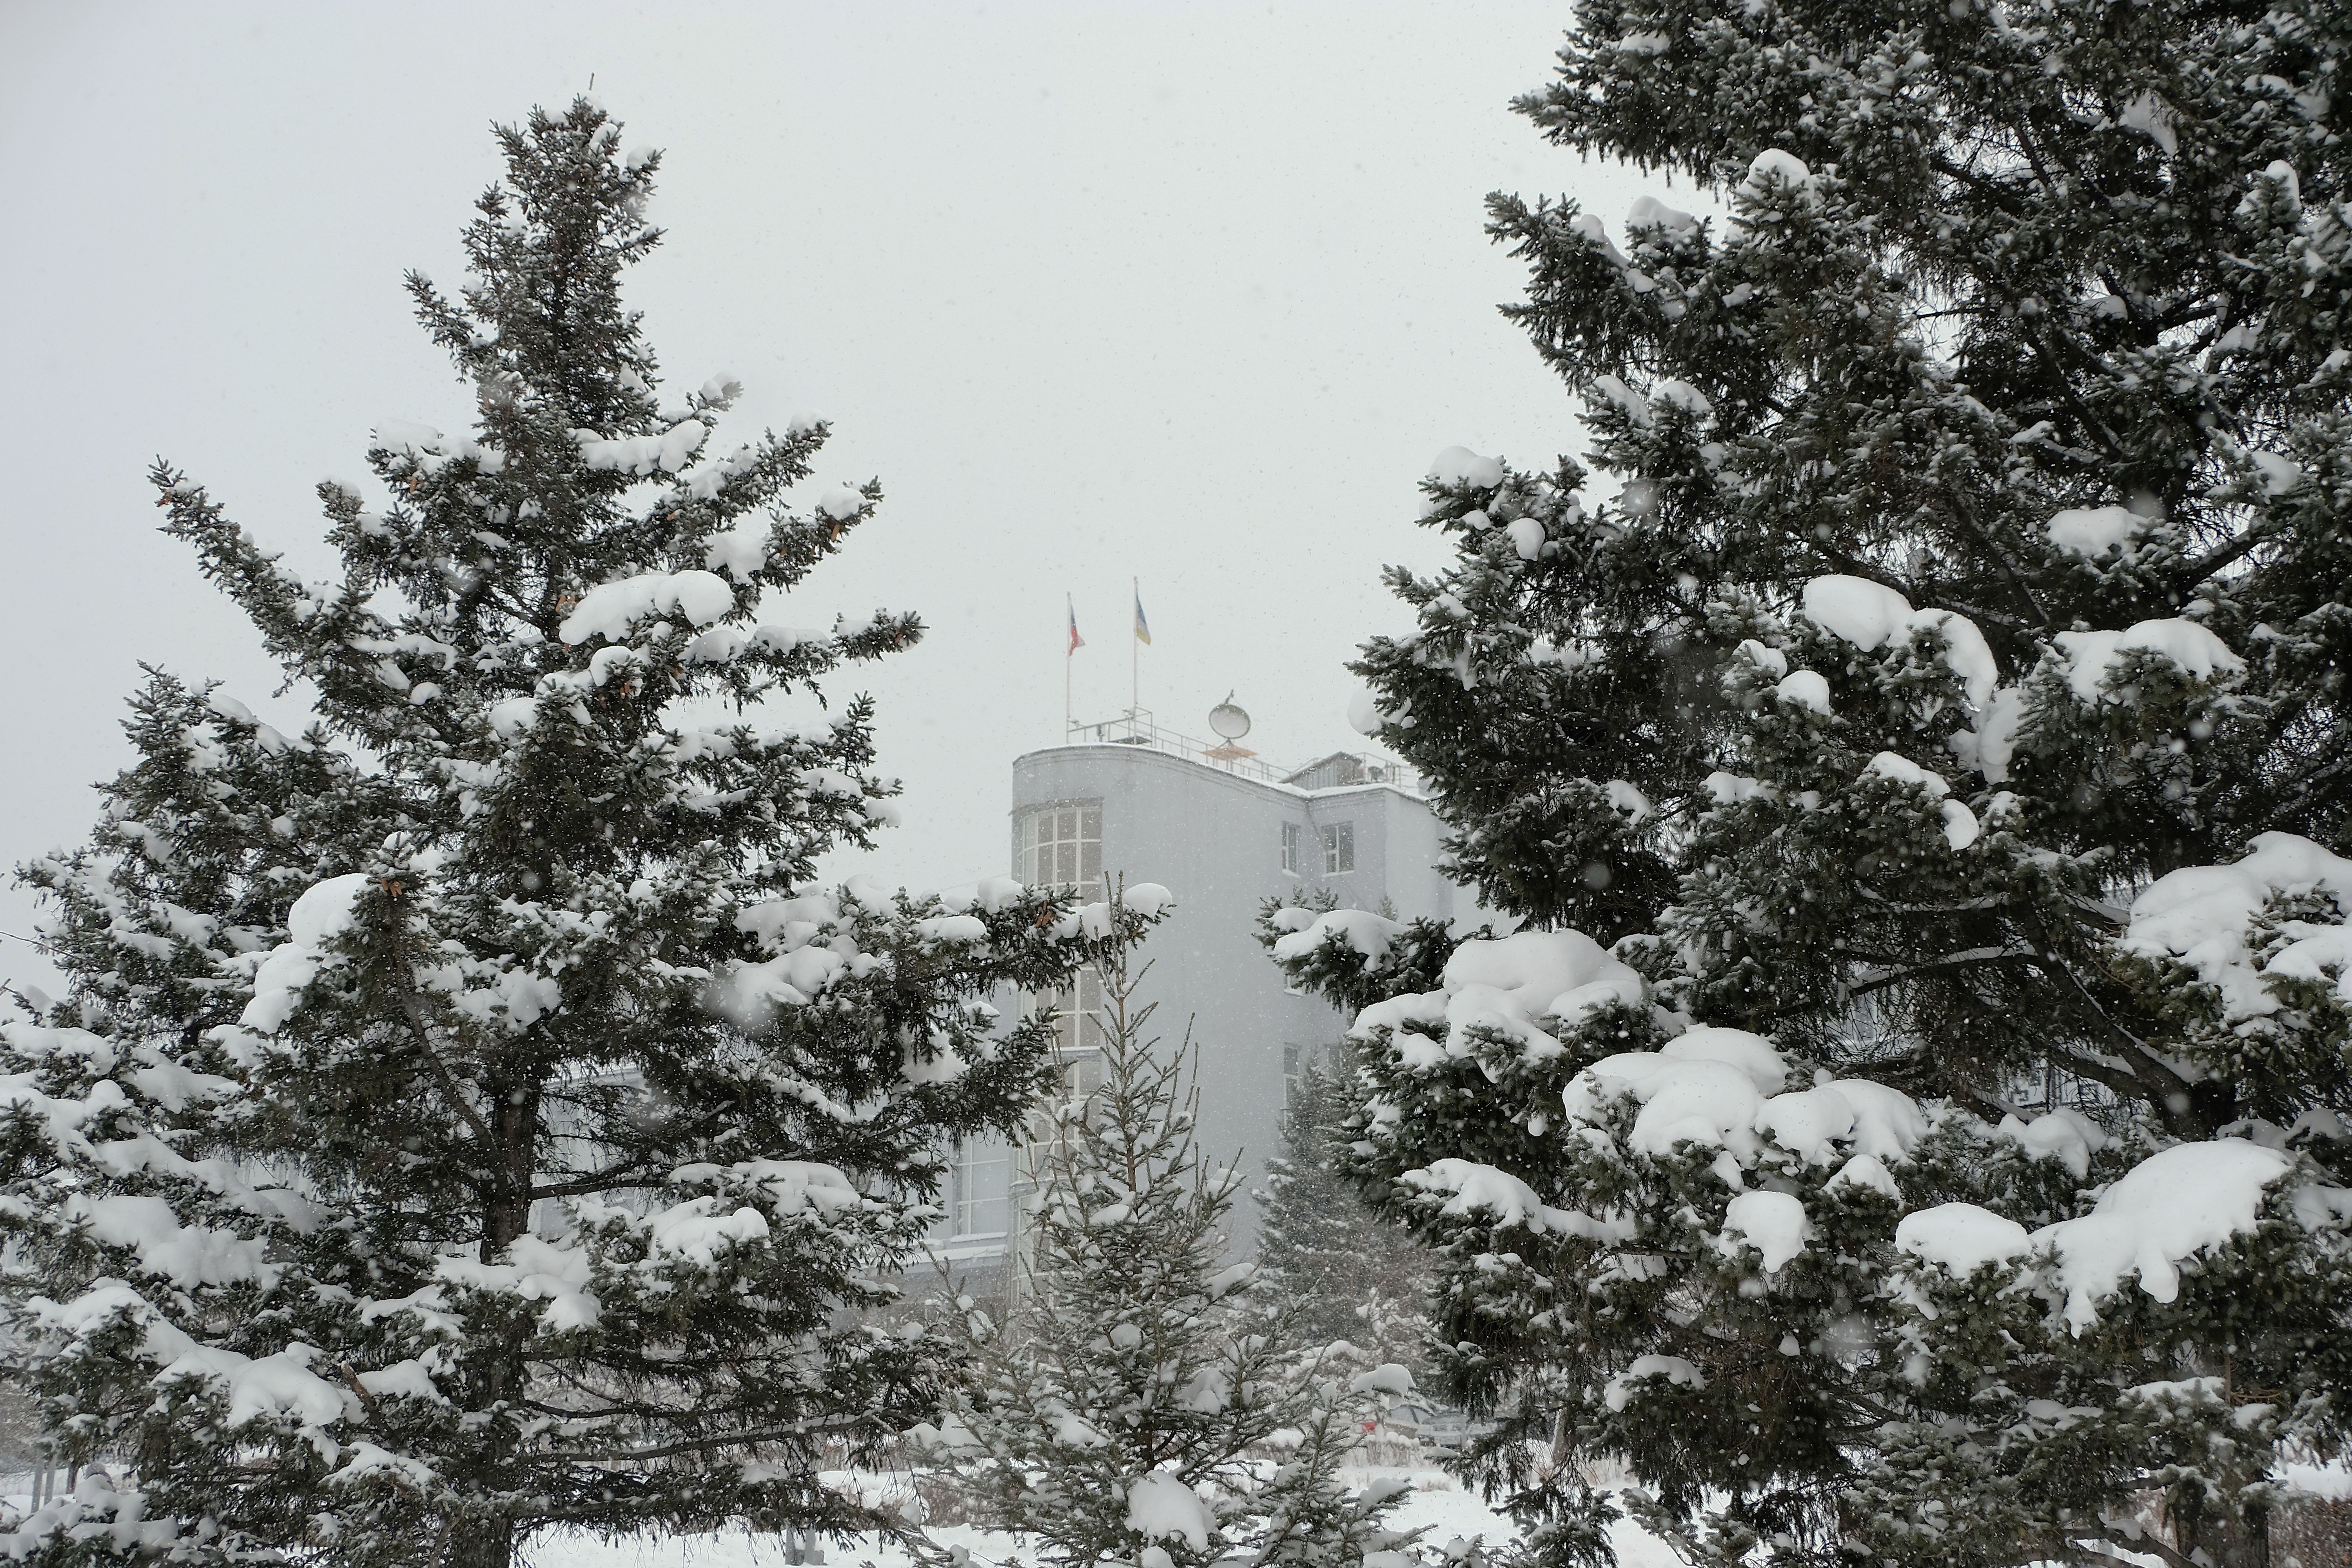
x=1944, y=706
x=468, y=1116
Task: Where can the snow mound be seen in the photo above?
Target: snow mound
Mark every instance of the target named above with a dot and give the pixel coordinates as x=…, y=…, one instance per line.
x=2189, y=647
x=1619, y=1391
x=1959, y=1238
x=1960, y=826
x=2201, y=915
x=536, y=1269
x=1682, y=395
x=644, y=454
x=1474, y=1187
x=1147, y=898
x=1613, y=389
x=610, y=609
x=1887, y=1123
x=271, y=1386
x=1357, y=931
x=1720, y=1087
x=1804, y=689
x=992, y=894
x=1459, y=465
x=2093, y=531
x=2064, y=1136
x=1389, y=1377
x=1861, y=1171
x=696, y=1230
x=1870, y=616
x=1810, y=1125
x=1772, y=1223
x=1865, y=614
x=2166, y=1209
x=1752, y=1053
x=326, y=910
x=1649, y=212
x=1705, y=1086
x=1159, y=1506
x=2173, y=1205
x=1503, y=985
x=1773, y=163
x=1988, y=746
x=322, y=914
x=739, y=551
x=190, y=1256
x=1709, y=1103
x=1902, y=770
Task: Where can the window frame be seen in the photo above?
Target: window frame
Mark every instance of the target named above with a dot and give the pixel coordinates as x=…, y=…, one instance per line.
x=1338, y=840
x=1037, y=856
x=964, y=1202
x=1295, y=1059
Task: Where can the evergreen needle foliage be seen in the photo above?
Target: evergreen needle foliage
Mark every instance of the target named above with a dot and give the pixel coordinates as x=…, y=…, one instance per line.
x=1135, y=1374
x=468, y=1117
x=1909, y=1124
x=1339, y=1273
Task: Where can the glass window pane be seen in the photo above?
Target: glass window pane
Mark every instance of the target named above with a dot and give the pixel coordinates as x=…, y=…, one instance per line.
x=1065, y=824
x=1090, y=819
x=1089, y=859
x=983, y=1188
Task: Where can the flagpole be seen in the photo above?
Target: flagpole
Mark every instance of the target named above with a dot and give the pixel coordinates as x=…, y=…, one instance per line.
x=1068, y=653
x=1135, y=660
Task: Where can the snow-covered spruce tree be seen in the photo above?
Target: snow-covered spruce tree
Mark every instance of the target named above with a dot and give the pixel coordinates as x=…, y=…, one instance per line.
x=1337, y=1271
x=1943, y=697
x=1135, y=1373
x=468, y=1117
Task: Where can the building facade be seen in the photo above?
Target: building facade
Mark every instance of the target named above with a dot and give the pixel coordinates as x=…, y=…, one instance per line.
x=1223, y=833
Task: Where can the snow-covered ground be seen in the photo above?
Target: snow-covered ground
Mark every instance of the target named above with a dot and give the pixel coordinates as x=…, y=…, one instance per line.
x=1438, y=1500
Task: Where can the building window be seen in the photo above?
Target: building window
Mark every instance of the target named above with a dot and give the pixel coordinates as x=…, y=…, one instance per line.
x=1080, y=1076
x=1338, y=847
x=1062, y=846
x=981, y=1200
x=1294, y=1067
x=1290, y=837
x=1077, y=1014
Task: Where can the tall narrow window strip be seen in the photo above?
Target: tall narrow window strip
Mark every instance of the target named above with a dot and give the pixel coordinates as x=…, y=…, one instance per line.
x=1078, y=1015
x=1290, y=846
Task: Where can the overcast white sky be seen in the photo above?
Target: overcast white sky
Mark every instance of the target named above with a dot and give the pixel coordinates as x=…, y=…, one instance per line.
x=1187, y=293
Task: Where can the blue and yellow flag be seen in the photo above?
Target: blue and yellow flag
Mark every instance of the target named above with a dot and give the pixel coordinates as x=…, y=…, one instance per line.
x=1142, y=626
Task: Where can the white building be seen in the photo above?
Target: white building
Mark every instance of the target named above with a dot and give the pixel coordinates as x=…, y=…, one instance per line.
x=1223, y=832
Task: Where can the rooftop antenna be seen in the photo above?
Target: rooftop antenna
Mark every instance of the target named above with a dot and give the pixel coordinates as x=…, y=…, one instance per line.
x=1229, y=724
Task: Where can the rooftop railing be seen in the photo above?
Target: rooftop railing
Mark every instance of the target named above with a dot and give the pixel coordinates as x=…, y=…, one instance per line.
x=1138, y=727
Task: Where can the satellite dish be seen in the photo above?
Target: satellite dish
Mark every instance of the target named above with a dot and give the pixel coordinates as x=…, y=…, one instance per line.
x=1228, y=723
